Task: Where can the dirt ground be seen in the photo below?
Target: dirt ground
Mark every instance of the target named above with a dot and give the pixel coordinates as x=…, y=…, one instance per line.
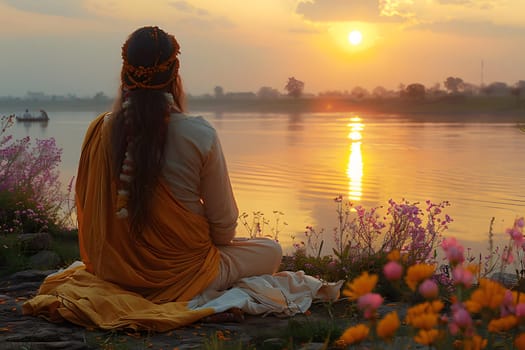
x=31, y=333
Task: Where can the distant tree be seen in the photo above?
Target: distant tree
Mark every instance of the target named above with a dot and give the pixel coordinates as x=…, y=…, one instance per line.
x=401, y=88
x=219, y=92
x=100, y=97
x=454, y=85
x=294, y=87
x=435, y=90
x=497, y=89
x=470, y=89
x=359, y=92
x=267, y=92
x=379, y=92
x=415, y=91
x=333, y=93
x=518, y=90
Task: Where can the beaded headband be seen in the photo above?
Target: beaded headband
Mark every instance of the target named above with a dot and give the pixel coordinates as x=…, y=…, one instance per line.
x=142, y=77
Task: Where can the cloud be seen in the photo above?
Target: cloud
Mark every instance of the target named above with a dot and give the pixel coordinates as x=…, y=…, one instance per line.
x=184, y=6
x=206, y=23
x=344, y=10
x=63, y=8
x=198, y=17
x=472, y=28
x=481, y=4
x=304, y=31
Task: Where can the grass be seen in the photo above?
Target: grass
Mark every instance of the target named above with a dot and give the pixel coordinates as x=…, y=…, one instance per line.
x=64, y=243
x=11, y=259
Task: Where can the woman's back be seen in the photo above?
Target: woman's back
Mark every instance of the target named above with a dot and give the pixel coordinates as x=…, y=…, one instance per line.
x=196, y=172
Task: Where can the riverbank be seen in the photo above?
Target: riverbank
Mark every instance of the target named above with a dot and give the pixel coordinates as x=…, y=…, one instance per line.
x=444, y=108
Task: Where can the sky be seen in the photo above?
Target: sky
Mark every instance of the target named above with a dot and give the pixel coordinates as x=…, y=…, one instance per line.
x=73, y=46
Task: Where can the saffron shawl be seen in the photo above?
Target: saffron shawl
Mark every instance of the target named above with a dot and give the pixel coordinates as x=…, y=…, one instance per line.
x=123, y=280
x=158, y=282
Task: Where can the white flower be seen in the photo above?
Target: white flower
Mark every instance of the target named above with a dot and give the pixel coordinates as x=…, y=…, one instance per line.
x=169, y=98
x=123, y=193
x=125, y=177
x=122, y=213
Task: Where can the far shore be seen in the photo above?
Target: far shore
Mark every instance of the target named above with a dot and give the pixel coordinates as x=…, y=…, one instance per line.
x=445, y=109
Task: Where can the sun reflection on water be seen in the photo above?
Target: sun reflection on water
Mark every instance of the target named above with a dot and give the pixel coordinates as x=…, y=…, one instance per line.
x=354, y=169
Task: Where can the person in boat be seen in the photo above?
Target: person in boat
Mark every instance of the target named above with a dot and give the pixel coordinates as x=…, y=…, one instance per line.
x=156, y=212
x=43, y=115
x=27, y=115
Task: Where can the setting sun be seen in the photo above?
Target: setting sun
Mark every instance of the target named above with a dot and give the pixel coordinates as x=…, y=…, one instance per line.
x=355, y=37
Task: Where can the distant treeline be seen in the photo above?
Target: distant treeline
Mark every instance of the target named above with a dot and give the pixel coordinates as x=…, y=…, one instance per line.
x=413, y=99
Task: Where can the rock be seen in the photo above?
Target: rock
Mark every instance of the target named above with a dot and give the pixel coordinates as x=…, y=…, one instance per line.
x=313, y=346
x=31, y=243
x=274, y=343
x=44, y=345
x=29, y=276
x=508, y=280
x=44, y=259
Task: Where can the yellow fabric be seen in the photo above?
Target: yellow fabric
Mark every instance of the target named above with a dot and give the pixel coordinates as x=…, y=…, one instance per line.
x=125, y=278
x=81, y=298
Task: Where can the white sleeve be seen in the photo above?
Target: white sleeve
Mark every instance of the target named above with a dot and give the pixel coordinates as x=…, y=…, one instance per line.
x=217, y=194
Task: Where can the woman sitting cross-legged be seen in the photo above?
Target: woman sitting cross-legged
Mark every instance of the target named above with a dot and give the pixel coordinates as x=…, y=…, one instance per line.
x=157, y=214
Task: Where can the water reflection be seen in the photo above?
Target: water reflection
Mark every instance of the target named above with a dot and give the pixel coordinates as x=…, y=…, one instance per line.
x=29, y=124
x=354, y=170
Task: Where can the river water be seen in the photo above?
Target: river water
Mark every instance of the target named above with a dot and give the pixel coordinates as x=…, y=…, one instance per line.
x=297, y=164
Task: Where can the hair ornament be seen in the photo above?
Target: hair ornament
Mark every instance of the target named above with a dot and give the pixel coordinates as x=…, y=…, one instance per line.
x=142, y=77
x=125, y=177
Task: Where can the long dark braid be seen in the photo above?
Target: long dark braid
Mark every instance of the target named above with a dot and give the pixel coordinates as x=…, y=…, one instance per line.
x=140, y=120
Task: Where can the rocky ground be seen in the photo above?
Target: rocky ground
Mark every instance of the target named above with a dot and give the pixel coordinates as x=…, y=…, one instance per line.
x=25, y=332
x=253, y=332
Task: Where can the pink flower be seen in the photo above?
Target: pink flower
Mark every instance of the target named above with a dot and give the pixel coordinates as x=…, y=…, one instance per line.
x=393, y=270
x=520, y=222
x=462, y=318
x=460, y=321
x=520, y=310
x=369, y=303
x=462, y=276
x=429, y=289
x=507, y=257
x=453, y=250
x=507, y=304
x=516, y=235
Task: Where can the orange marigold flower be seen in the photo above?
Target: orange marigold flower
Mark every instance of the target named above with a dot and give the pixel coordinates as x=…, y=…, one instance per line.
x=394, y=255
x=355, y=334
x=423, y=321
x=489, y=295
x=360, y=286
x=437, y=305
x=424, y=315
x=502, y=324
x=387, y=327
x=474, y=343
x=417, y=273
x=472, y=306
x=434, y=306
x=426, y=337
x=519, y=341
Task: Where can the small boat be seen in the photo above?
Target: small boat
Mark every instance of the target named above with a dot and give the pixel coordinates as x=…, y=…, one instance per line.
x=29, y=117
